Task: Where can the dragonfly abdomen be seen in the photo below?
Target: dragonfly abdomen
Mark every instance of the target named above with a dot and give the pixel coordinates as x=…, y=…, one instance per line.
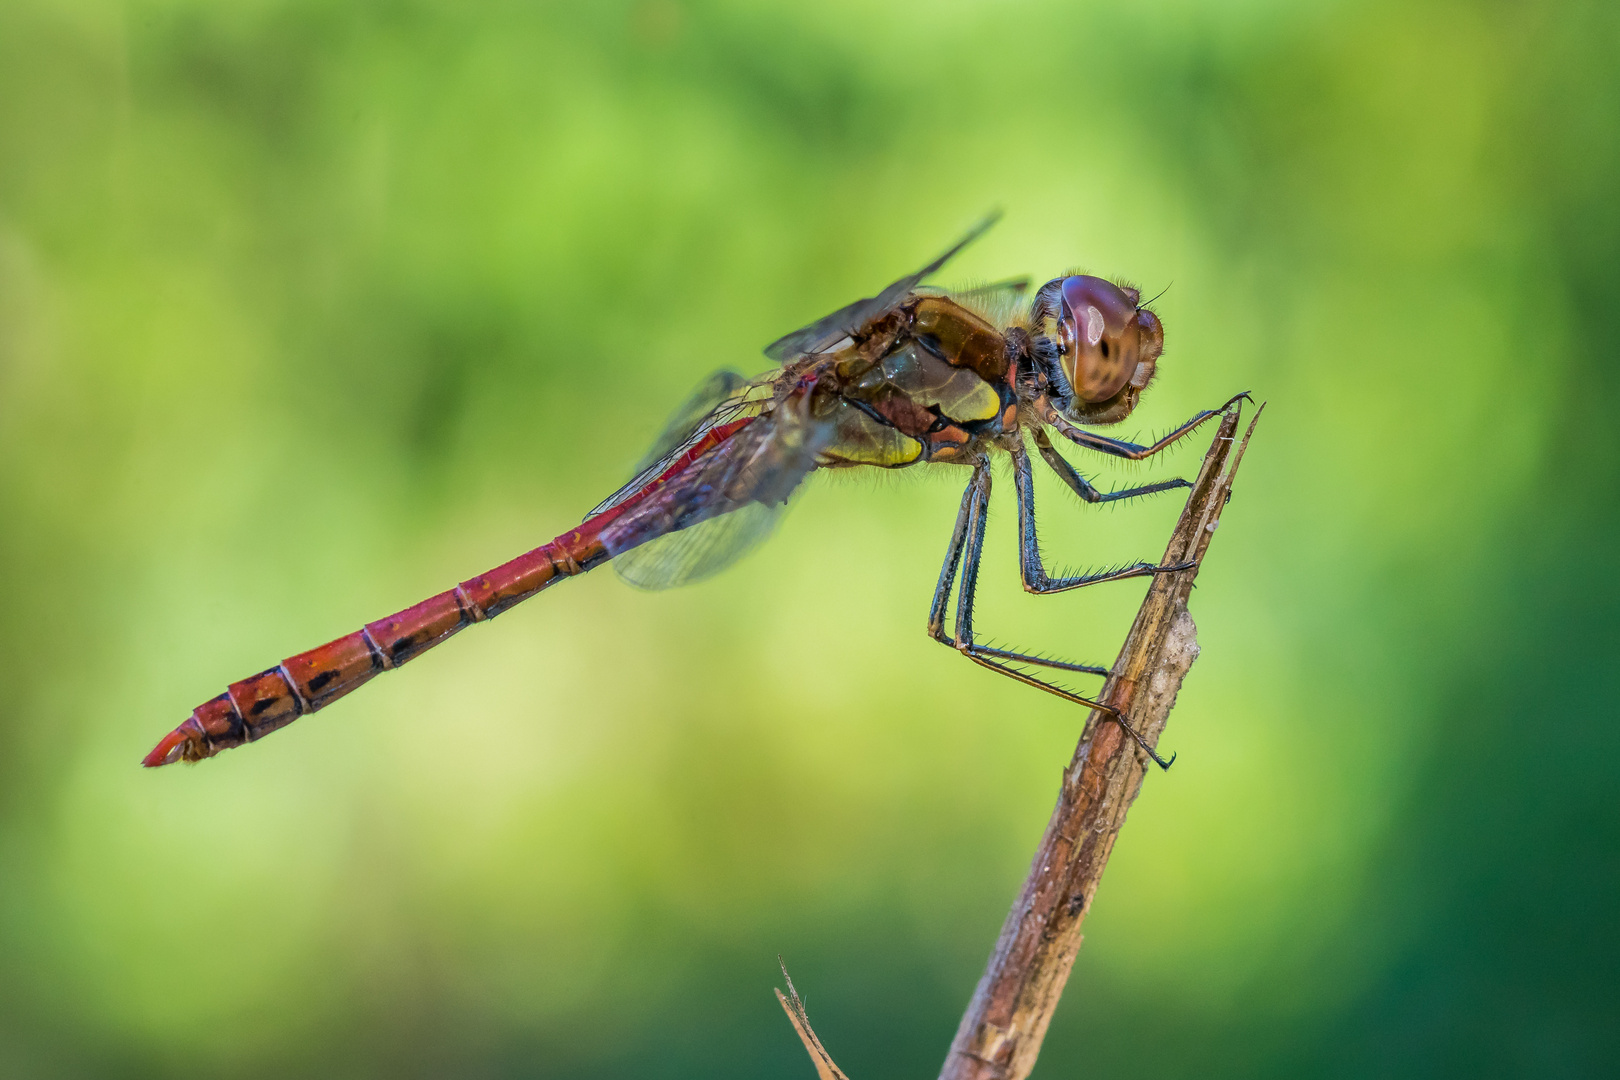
x=302, y=684
x=274, y=698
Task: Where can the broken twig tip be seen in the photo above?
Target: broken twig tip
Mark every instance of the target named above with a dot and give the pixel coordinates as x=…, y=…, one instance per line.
x=793, y=1005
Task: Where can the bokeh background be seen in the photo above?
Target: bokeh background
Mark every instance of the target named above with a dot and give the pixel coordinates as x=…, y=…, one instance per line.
x=308, y=310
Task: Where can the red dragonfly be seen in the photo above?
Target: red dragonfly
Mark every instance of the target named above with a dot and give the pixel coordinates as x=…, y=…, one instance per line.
x=909, y=376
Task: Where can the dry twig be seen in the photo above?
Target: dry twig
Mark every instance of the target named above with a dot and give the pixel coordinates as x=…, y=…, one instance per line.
x=794, y=1007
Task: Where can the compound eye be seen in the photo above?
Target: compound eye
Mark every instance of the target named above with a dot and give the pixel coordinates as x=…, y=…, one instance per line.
x=1099, y=335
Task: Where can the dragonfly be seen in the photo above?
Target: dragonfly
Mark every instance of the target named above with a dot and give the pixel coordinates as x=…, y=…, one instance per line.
x=914, y=375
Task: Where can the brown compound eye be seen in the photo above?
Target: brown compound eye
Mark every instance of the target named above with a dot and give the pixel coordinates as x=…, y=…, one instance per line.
x=1101, y=337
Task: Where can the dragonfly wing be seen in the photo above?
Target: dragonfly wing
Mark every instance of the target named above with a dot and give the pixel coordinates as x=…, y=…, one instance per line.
x=850, y=319
x=692, y=554
x=689, y=523
x=725, y=396
x=1000, y=302
x=719, y=389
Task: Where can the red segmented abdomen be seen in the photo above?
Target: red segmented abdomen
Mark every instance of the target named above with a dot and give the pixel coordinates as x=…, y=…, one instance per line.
x=301, y=684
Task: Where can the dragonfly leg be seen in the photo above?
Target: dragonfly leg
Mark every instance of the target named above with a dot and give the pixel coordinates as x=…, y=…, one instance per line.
x=966, y=547
x=1135, y=451
x=953, y=554
x=1083, y=488
x=1030, y=566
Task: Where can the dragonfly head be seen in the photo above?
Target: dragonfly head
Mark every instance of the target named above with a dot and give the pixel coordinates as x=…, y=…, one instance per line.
x=1108, y=346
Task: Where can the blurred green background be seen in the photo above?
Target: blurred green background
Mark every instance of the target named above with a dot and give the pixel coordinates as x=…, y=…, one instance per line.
x=308, y=310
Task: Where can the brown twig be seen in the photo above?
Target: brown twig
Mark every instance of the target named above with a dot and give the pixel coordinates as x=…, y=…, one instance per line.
x=1001, y=1032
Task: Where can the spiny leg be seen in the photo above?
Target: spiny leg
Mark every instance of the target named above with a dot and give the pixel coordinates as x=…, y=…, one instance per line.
x=1135, y=451
x=1083, y=488
x=978, y=516
x=971, y=520
x=1029, y=549
x=953, y=557
x=968, y=536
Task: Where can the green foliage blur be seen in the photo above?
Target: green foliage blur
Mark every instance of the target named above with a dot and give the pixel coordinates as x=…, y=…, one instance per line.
x=308, y=310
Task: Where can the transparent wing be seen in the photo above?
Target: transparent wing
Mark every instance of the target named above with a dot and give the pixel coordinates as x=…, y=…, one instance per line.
x=687, y=524
x=719, y=389
x=693, y=554
x=1001, y=303
x=849, y=320
x=724, y=397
